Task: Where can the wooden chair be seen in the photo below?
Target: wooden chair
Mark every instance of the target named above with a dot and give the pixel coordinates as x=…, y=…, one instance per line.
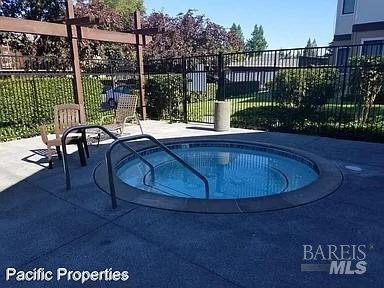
x=125, y=113
x=66, y=116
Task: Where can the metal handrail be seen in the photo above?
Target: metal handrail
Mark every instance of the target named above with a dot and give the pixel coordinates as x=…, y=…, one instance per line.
x=105, y=130
x=159, y=144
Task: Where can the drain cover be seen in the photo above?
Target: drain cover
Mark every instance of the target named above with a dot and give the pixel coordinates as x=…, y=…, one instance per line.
x=354, y=168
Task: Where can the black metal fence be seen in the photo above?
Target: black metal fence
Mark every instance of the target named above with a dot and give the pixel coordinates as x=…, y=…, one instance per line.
x=330, y=91
x=31, y=86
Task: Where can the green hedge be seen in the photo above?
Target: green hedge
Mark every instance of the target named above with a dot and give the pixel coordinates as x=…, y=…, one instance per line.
x=305, y=90
x=27, y=102
x=328, y=121
x=164, y=96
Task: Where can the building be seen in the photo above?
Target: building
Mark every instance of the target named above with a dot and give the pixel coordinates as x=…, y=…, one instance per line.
x=361, y=22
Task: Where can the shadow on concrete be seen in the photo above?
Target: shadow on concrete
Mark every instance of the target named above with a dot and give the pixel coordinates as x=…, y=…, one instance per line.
x=43, y=225
x=200, y=128
x=41, y=155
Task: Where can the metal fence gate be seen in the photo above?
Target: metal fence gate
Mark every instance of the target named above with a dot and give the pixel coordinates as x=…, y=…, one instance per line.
x=331, y=91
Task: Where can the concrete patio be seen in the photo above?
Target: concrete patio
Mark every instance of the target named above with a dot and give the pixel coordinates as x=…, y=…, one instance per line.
x=43, y=225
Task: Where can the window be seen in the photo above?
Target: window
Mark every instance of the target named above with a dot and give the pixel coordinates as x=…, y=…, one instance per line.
x=373, y=48
x=349, y=6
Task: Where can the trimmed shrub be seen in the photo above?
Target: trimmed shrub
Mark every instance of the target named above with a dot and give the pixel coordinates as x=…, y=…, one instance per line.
x=306, y=89
x=366, y=83
x=164, y=96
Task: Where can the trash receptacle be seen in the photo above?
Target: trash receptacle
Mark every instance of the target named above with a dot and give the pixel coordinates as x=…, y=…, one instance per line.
x=222, y=116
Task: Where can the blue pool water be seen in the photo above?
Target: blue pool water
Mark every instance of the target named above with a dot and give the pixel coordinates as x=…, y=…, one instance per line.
x=233, y=172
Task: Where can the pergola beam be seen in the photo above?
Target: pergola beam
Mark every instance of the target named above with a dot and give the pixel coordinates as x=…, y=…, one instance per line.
x=115, y=37
x=73, y=29
x=148, y=31
x=18, y=25
x=83, y=21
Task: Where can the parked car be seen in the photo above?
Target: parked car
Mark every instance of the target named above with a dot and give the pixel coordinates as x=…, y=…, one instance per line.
x=113, y=94
x=104, y=93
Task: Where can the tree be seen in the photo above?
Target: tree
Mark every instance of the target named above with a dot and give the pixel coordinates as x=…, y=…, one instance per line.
x=257, y=42
x=188, y=34
x=309, y=43
x=236, y=30
x=110, y=20
x=236, y=38
x=310, y=49
x=125, y=6
x=53, y=11
x=42, y=10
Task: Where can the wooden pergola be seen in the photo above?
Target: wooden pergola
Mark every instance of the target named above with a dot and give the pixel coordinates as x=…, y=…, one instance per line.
x=75, y=29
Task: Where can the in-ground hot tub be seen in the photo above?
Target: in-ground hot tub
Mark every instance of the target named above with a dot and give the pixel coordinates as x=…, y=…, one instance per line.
x=242, y=177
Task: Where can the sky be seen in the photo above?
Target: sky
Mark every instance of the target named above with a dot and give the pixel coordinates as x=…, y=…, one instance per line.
x=287, y=23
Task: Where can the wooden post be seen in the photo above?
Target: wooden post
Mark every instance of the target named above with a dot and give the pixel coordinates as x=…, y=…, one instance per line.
x=140, y=63
x=73, y=30
x=74, y=49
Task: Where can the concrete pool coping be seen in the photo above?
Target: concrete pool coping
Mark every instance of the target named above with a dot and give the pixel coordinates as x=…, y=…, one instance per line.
x=43, y=225
x=330, y=178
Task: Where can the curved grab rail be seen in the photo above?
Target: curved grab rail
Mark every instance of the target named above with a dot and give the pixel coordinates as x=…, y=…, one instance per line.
x=159, y=144
x=84, y=128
